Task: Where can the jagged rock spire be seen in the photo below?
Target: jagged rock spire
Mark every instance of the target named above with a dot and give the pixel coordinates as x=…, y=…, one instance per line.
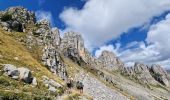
x=110, y=61
x=160, y=74
x=74, y=40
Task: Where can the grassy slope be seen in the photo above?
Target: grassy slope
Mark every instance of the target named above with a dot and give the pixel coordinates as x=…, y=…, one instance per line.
x=11, y=48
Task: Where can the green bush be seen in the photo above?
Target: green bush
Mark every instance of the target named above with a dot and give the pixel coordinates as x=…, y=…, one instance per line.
x=14, y=96
x=6, y=17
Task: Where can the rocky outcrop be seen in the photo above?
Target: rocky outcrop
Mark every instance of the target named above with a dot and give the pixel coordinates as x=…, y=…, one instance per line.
x=51, y=84
x=45, y=34
x=72, y=45
x=73, y=40
x=144, y=74
x=141, y=73
x=160, y=74
x=52, y=60
x=110, y=61
x=16, y=18
x=11, y=71
x=22, y=73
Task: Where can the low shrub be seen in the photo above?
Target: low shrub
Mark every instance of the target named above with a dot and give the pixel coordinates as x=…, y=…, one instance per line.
x=6, y=17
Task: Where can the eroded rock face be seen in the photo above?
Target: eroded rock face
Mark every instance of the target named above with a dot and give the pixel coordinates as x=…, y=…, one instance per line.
x=45, y=34
x=16, y=18
x=160, y=75
x=51, y=58
x=74, y=40
x=143, y=74
x=110, y=61
x=140, y=72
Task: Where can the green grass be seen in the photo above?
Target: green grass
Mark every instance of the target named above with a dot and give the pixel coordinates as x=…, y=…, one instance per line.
x=12, y=47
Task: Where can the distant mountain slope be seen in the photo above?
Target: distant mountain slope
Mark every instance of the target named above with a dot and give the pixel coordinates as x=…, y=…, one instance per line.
x=36, y=63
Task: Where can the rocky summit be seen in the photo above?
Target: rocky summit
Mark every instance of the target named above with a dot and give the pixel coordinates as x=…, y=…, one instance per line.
x=36, y=63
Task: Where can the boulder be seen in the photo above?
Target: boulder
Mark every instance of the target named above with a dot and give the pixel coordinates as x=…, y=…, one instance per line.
x=16, y=26
x=11, y=71
x=5, y=26
x=52, y=89
x=51, y=84
x=25, y=75
x=54, y=83
x=34, y=81
x=160, y=74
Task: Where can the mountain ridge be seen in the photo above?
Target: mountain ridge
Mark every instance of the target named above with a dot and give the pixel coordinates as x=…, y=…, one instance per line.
x=49, y=50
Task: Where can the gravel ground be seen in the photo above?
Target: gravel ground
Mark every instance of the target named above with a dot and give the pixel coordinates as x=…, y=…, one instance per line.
x=97, y=89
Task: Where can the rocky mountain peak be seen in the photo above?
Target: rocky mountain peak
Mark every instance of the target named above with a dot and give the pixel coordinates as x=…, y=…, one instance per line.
x=16, y=18
x=21, y=14
x=73, y=39
x=160, y=74
x=110, y=61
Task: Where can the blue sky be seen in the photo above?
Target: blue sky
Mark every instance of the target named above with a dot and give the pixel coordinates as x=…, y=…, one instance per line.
x=135, y=31
x=55, y=7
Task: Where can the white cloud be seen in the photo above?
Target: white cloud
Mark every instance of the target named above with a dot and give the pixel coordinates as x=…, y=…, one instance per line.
x=40, y=14
x=157, y=49
x=102, y=20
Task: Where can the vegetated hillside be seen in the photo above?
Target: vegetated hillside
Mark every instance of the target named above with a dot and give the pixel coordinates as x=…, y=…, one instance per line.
x=36, y=63
x=13, y=52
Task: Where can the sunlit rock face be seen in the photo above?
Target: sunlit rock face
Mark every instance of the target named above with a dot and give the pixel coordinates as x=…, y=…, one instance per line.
x=110, y=61
x=74, y=40
x=160, y=74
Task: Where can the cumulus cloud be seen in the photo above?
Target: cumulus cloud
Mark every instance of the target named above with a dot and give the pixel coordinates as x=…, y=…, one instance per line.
x=40, y=14
x=102, y=20
x=155, y=51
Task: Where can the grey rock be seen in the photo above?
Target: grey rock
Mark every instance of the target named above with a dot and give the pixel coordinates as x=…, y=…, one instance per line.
x=11, y=70
x=56, y=36
x=74, y=40
x=51, y=84
x=20, y=17
x=25, y=75
x=52, y=89
x=21, y=14
x=34, y=81
x=110, y=61
x=160, y=74
x=73, y=54
x=51, y=58
x=142, y=73
x=46, y=35
x=54, y=83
